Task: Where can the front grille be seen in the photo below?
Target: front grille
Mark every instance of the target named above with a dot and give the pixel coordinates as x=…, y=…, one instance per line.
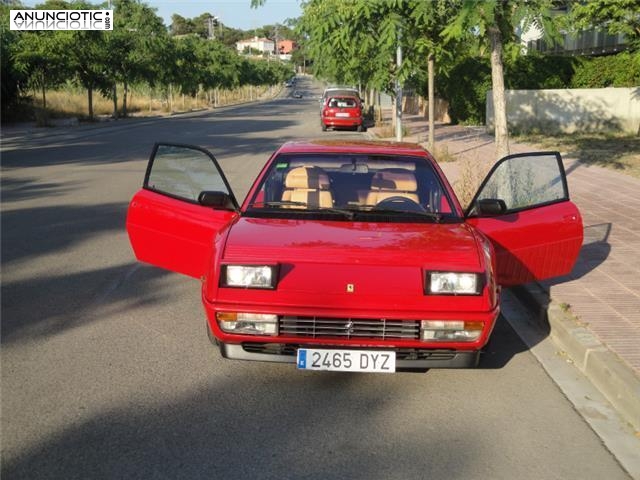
x=346, y=328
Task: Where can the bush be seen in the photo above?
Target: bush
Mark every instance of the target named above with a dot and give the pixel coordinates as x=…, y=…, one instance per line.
x=621, y=70
x=535, y=71
x=466, y=88
x=468, y=82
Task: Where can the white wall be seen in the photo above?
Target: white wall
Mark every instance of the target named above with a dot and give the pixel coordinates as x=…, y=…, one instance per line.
x=572, y=110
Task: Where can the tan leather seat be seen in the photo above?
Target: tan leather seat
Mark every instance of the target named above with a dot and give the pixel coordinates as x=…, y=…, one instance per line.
x=309, y=185
x=385, y=184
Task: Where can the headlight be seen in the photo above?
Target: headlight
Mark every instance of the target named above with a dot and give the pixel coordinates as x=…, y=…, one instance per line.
x=249, y=276
x=248, y=323
x=453, y=283
x=450, y=330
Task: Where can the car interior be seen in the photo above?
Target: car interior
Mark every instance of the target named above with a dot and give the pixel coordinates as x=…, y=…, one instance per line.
x=359, y=183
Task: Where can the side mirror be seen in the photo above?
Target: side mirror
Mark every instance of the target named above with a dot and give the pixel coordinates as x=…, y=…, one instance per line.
x=219, y=200
x=491, y=207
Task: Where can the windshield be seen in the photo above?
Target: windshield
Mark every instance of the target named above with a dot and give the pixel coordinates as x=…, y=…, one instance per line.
x=357, y=187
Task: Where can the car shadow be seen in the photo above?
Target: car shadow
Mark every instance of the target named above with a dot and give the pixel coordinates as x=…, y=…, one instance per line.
x=535, y=297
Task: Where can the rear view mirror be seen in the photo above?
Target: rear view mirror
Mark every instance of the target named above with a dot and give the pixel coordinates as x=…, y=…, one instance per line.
x=220, y=200
x=490, y=207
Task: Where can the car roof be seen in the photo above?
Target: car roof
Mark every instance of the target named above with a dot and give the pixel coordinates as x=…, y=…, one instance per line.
x=341, y=91
x=340, y=95
x=353, y=146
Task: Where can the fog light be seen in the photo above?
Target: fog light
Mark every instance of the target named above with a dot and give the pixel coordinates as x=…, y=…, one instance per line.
x=450, y=331
x=248, y=323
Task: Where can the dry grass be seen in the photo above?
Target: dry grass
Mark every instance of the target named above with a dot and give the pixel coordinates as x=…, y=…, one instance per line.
x=70, y=102
x=386, y=130
x=614, y=151
x=441, y=154
x=472, y=173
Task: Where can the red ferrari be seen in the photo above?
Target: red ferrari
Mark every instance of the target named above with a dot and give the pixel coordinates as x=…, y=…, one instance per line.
x=354, y=256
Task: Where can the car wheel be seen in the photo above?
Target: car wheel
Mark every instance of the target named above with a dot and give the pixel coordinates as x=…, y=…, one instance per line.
x=360, y=128
x=324, y=127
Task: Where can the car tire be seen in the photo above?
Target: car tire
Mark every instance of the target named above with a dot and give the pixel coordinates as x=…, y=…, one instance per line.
x=324, y=127
x=360, y=128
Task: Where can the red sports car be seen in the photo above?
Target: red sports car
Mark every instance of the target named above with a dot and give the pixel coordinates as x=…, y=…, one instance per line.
x=354, y=256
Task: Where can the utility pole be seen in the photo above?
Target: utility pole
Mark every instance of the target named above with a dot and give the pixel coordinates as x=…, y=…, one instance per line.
x=212, y=22
x=398, y=89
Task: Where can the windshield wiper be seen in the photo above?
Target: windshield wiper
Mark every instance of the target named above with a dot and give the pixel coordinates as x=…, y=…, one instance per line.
x=349, y=214
x=279, y=203
x=290, y=203
x=436, y=217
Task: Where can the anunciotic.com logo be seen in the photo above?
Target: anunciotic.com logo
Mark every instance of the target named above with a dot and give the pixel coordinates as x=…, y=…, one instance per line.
x=61, y=20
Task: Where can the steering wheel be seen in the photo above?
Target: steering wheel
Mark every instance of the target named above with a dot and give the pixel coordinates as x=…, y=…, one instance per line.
x=399, y=203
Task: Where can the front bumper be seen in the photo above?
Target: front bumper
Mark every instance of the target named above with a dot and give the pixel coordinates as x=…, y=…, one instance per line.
x=406, y=358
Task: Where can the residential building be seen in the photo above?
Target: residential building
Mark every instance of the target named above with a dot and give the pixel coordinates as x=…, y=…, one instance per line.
x=262, y=45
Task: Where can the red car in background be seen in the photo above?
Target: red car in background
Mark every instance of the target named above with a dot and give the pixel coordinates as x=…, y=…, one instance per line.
x=354, y=256
x=342, y=111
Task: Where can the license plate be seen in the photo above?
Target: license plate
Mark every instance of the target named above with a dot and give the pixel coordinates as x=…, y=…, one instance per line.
x=343, y=114
x=346, y=360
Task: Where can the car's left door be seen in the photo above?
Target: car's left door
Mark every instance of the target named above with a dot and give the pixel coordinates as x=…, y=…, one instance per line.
x=185, y=200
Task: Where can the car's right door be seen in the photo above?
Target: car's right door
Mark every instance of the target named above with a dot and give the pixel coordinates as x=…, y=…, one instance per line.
x=537, y=232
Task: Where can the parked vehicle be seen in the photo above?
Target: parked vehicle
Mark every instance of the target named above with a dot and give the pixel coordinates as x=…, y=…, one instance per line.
x=354, y=256
x=342, y=112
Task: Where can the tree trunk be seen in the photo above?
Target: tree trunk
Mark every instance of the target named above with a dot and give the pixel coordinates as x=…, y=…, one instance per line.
x=499, y=99
x=115, y=100
x=43, y=122
x=44, y=99
x=432, y=101
x=124, y=99
x=90, y=101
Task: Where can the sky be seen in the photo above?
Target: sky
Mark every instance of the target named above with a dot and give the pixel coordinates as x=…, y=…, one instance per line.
x=235, y=14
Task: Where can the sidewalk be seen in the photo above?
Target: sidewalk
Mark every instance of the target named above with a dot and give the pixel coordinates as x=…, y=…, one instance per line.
x=593, y=313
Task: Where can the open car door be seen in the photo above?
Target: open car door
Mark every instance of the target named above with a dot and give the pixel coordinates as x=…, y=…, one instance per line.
x=523, y=207
x=185, y=200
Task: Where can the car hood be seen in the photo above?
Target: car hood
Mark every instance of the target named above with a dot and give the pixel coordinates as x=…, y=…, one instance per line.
x=437, y=246
x=332, y=267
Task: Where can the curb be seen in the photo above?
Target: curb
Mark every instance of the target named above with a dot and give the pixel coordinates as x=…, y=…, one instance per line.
x=615, y=380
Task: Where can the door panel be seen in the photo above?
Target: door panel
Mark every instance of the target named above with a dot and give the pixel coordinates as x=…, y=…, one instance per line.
x=540, y=234
x=173, y=234
x=167, y=227
x=534, y=244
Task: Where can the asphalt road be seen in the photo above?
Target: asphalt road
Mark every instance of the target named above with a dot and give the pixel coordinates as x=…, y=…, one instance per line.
x=107, y=371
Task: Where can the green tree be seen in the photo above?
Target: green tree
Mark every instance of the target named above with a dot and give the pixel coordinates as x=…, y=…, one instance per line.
x=429, y=20
x=180, y=25
x=12, y=75
x=86, y=52
x=41, y=55
x=495, y=22
x=132, y=48
x=614, y=16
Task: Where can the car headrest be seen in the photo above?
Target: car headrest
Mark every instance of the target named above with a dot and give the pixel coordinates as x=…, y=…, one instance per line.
x=395, y=179
x=307, y=177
